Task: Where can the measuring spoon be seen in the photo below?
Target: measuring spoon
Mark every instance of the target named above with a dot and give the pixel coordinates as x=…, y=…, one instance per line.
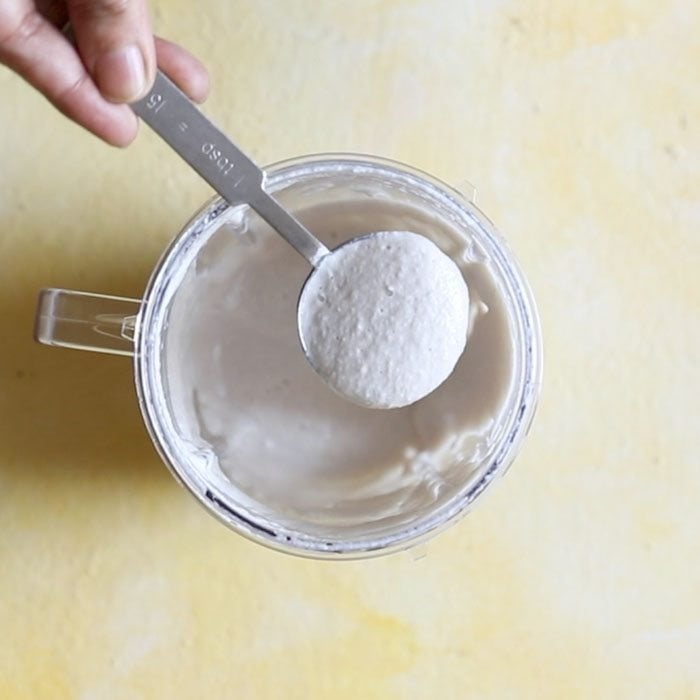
x=388, y=378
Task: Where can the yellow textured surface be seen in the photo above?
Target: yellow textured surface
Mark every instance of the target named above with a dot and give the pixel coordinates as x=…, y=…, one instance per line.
x=579, y=576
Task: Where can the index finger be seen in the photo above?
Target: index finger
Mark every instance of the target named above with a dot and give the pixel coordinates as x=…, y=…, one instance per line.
x=38, y=51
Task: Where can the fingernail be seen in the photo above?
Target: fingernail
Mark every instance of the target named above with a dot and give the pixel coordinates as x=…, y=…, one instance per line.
x=121, y=74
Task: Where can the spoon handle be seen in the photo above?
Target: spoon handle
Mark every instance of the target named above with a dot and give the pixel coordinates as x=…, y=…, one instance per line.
x=170, y=113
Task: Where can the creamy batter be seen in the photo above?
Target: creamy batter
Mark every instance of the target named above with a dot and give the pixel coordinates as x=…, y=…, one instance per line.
x=384, y=318
x=288, y=447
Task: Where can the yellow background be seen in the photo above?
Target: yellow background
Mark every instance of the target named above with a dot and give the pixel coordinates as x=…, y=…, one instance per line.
x=579, y=575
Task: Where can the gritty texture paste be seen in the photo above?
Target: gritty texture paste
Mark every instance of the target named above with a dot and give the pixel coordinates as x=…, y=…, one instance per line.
x=384, y=318
x=287, y=446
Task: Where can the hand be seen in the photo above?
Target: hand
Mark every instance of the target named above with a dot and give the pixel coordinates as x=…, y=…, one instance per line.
x=114, y=63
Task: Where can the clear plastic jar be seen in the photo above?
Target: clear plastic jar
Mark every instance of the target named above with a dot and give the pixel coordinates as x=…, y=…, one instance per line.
x=141, y=328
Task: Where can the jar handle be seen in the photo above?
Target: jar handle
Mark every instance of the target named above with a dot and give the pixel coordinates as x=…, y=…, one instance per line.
x=96, y=322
